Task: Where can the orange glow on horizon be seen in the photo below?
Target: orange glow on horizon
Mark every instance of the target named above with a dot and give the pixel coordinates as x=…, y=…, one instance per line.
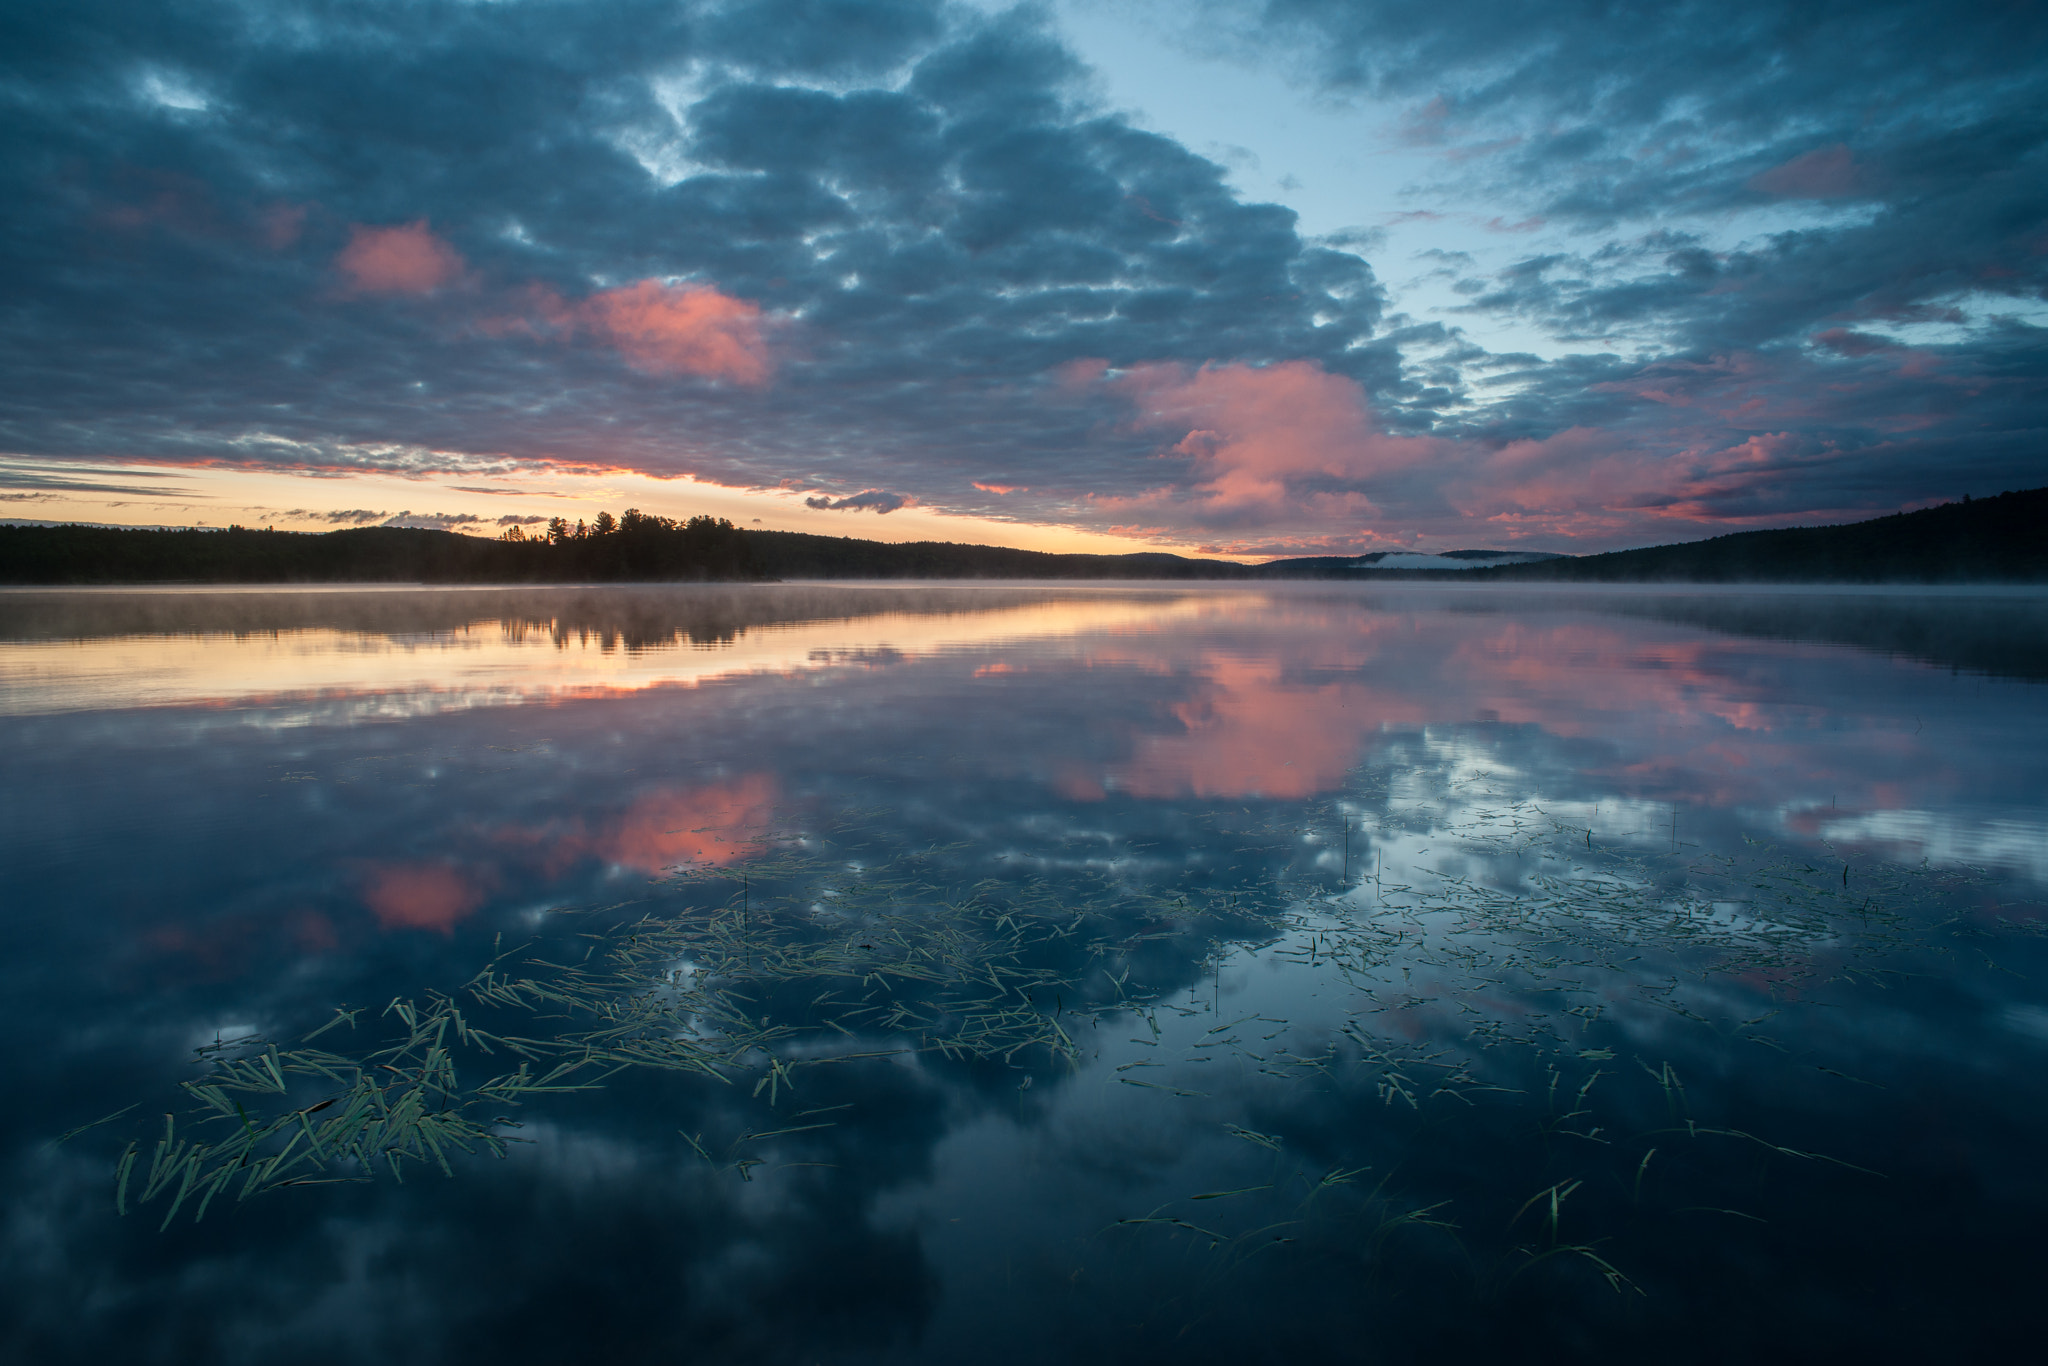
x=494, y=497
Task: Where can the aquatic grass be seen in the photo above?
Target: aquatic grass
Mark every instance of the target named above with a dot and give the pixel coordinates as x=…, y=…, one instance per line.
x=399, y=1104
x=1550, y=1202
x=833, y=948
x=953, y=979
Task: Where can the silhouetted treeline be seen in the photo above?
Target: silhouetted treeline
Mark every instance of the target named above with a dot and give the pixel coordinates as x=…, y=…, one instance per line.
x=632, y=547
x=1984, y=540
x=1992, y=540
x=797, y=555
x=1989, y=540
x=635, y=547
x=638, y=546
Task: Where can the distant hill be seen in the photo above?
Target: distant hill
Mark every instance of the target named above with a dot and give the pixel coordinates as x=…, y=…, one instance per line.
x=798, y=555
x=1984, y=540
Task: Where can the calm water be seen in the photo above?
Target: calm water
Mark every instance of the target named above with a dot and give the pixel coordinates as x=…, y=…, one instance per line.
x=982, y=973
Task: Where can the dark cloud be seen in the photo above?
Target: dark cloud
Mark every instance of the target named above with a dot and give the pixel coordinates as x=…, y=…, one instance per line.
x=510, y=520
x=60, y=481
x=434, y=521
x=1925, y=122
x=872, y=500
x=1670, y=85
x=350, y=517
x=863, y=245
x=1754, y=187
x=934, y=242
x=823, y=37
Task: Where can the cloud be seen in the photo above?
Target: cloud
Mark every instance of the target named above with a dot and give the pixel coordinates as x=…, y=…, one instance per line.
x=1673, y=155
x=77, y=478
x=433, y=521
x=870, y=500
x=899, y=246
x=1853, y=343
x=407, y=259
x=349, y=517
x=1358, y=239
x=509, y=520
x=1827, y=172
x=933, y=236
x=671, y=329
x=282, y=225
x=1284, y=445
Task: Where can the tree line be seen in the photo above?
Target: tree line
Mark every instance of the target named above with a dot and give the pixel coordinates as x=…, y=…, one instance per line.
x=633, y=546
x=1998, y=539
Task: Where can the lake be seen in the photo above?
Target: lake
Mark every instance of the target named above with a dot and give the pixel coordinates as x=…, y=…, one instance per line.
x=992, y=972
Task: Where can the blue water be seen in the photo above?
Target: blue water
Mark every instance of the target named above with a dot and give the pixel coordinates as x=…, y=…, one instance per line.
x=1093, y=972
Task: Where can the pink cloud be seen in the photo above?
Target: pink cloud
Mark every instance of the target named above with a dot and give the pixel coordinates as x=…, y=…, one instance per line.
x=659, y=328
x=1288, y=459
x=162, y=199
x=681, y=330
x=1589, y=484
x=1144, y=206
x=1829, y=172
x=1912, y=364
x=1079, y=374
x=408, y=259
x=281, y=225
x=1427, y=125
x=1260, y=439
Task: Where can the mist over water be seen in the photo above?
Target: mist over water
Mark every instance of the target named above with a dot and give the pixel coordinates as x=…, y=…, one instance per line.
x=983, y=972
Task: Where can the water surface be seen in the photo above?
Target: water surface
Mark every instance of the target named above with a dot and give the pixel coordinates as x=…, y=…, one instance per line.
x=933, y=973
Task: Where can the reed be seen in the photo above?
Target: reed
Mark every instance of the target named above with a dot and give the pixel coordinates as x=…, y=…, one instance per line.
x=1470, y=996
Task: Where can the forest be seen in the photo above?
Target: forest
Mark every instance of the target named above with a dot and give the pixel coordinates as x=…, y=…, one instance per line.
x=1989, y=540
x=634, y=546
x=2002, y=539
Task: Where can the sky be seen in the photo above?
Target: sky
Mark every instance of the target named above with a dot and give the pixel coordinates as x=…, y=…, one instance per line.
x=1231, y=277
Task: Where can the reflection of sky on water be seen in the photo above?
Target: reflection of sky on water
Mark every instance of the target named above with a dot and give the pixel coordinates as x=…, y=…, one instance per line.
x=533, y=655
x=212, y=826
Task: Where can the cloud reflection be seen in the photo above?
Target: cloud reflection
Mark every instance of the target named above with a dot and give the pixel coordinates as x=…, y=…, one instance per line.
x=715, y=824
x=1193, y=748
x=422, y=896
